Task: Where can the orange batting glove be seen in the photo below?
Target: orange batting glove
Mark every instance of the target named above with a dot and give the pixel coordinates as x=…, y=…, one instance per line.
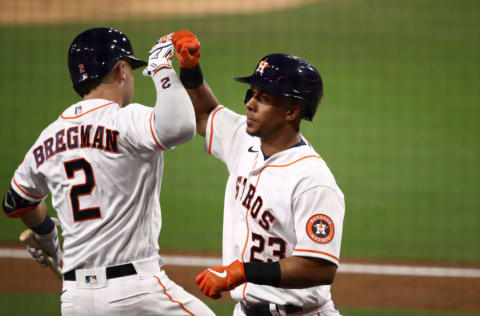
x=214, y=280
x=187, y=48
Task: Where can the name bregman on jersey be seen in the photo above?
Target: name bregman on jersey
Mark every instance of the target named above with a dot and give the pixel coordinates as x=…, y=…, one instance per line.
x=77, y=137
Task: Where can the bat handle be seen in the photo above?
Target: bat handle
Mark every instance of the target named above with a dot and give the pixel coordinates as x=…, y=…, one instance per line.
x=27, y=238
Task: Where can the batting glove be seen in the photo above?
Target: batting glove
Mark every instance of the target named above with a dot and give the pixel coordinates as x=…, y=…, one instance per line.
x=214, y=280
x=187, y=48
x=160, y=56
x=50, y=246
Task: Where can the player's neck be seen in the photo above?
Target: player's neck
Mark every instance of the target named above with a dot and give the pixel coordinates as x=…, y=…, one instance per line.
x=279, y=143
x=107, y=93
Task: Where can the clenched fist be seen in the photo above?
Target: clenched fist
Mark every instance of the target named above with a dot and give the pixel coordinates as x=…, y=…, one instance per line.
x=214, y=280
x=187, y=48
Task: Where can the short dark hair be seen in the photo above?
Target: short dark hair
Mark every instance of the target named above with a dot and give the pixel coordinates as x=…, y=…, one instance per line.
x=84, y=88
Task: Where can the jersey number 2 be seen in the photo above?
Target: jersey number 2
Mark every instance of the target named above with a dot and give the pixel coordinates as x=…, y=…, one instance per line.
x=71, y=167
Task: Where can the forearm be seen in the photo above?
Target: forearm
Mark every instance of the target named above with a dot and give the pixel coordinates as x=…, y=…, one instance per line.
x=301, y=272
x=36, y=216
x=291, y=272
x=45, y=235
x=187, y=48
x=174, y=118
x=203, y=99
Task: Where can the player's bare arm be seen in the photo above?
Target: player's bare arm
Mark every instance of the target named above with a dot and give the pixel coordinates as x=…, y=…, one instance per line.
x=301, y=272
x=35, y=216
x=32, y=213
x=204, y=101
x=187, y=48
x=292, y=272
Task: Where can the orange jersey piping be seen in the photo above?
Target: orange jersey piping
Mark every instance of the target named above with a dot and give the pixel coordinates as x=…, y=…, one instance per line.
x=211, y=130
x=319, y=252
x=286, y=165
x=244, y=248
x=20, y=212
x=244, y=290
x=29, y=195
x=170, y=297
x=246, y=216
x=73, y=117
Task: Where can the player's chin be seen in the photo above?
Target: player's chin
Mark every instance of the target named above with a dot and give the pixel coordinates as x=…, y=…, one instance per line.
x=252, y=131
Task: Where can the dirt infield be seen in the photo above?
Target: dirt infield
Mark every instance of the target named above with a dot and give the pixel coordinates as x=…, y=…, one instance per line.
x=349, y=290
x=59, y=11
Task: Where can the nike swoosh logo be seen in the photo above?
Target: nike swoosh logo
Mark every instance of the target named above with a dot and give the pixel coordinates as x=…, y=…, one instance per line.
x=250, y=150
x=63, y=292
x=222, y=275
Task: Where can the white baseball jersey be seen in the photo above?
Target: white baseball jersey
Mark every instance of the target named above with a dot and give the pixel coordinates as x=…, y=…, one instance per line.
x=103, y=166
x=286, y=205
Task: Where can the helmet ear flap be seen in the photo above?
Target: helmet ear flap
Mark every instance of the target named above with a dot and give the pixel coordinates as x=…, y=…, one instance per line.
x=248, y=95
x=308, y=111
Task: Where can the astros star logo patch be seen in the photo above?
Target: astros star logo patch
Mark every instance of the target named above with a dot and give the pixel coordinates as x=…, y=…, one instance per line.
x=262, y=66
x=320, y=228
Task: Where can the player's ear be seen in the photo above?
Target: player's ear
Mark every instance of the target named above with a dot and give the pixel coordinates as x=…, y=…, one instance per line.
x=119, y=71
x=293, y=112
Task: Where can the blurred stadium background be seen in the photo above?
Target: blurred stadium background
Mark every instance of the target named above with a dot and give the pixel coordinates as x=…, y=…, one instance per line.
x=398, y=125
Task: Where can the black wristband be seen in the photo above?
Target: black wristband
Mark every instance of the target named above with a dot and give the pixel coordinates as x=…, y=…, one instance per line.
x=263, y=273
x=45, y=227
x=191, y=78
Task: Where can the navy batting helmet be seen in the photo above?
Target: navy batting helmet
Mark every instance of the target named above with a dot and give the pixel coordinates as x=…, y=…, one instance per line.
x=289, y=76
x=93, y=54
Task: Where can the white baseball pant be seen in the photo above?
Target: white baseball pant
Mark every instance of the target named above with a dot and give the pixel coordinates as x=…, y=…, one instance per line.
x=149, y=292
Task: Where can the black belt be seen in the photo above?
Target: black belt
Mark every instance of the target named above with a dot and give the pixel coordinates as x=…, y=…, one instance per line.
x=264, y=310
x=112, y=272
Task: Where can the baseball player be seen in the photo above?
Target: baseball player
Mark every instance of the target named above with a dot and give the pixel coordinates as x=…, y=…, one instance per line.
x=102, y=163
x=283, y=211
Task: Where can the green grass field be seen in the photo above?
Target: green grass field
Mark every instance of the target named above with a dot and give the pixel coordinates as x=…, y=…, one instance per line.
x=398, y=124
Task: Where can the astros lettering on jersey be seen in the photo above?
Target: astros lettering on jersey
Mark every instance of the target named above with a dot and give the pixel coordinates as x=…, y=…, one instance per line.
x=286, y=205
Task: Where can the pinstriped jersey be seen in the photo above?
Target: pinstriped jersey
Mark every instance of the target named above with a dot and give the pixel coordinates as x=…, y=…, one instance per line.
x=103, y=166
x=286, y=205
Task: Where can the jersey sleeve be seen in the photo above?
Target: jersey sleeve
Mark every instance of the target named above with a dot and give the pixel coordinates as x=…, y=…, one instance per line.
x=318, y=217
x=135, y=123
x=225, y=135
x=28, y=181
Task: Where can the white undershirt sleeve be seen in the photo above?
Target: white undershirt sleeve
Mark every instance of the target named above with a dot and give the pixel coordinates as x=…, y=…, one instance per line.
x=174, y=117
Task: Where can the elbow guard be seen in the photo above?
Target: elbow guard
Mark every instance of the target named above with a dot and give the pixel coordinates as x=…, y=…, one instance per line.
x=15, y=206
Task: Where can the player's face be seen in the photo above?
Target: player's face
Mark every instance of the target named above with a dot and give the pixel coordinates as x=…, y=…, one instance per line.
x=266, y=114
